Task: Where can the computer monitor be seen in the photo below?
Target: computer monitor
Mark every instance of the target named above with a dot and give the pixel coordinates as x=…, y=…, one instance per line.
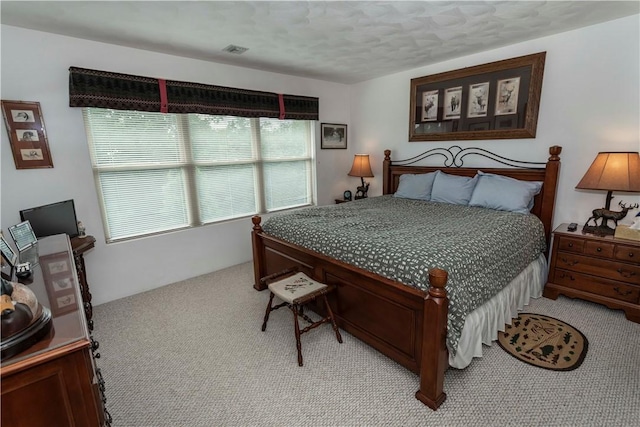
x=56, y=218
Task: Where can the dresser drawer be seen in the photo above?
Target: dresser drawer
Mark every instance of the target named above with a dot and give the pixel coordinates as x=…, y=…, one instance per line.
x=600, y=249
x=627, y=253
x=570, y=244
x=613, y=270
x=597, y=285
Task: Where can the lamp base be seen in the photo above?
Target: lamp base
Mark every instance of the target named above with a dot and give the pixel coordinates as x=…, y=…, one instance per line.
x=599, y=230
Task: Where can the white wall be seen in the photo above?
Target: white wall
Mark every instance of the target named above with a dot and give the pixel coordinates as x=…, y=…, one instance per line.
x=35, y=68
x=590, y=103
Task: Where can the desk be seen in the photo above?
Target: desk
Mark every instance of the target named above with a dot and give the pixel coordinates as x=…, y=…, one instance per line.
x=80, y=245
x=55, y=382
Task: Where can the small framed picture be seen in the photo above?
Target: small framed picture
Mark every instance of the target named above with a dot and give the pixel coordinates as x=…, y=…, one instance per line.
x=478, y=100
x=430, y=106
x=507, y=96
x=333, y=135
x=60, y=282
x=27, y=134
x=452, y=102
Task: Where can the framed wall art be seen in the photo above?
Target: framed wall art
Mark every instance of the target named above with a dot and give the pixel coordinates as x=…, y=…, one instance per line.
x=59, y=279
x=333, y=135
x=498, y=100
x=27, y=134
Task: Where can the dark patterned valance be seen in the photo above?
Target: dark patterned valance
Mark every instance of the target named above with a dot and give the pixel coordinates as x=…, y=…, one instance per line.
x=104, y=89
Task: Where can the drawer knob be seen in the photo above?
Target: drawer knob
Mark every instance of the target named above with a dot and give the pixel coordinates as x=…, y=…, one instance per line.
x=617, y=289
x=570, y=263
x=570, y=245
x=625, y=273
x=599, y=249
x=630, y=254
x=562, y=276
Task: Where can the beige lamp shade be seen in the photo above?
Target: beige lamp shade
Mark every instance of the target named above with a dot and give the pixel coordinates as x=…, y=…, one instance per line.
x=613, y=171
x=361, y=166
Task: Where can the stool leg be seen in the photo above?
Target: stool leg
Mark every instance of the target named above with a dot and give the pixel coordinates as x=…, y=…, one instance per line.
x=294, y=308
x=266, y=315
x=333, y=321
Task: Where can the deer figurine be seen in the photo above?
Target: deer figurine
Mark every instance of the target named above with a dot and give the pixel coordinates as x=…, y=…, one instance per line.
x=605, y=215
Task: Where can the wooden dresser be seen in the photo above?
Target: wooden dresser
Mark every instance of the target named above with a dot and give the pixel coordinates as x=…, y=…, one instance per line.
x=605, y=270
x=55, y=382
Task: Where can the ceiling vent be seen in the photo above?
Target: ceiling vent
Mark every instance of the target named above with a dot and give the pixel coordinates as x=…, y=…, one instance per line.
x=235, y=49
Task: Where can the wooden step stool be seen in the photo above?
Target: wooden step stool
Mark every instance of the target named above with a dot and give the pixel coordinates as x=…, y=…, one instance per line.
x=297, y=289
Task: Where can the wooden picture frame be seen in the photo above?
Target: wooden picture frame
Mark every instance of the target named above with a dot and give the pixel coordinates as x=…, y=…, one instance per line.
x=333, y=136
x=496, y=93
x=27, y=134
x=58, y=274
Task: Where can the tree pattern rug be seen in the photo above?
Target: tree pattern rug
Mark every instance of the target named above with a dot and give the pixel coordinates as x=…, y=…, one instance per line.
x=544, y=342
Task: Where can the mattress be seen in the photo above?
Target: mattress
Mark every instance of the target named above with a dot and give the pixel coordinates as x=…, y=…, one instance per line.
x=483, y=250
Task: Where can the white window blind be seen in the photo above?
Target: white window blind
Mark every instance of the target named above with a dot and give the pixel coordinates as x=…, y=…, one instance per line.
x=160, y=172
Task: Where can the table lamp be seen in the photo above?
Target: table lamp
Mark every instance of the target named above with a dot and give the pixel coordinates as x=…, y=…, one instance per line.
x=362, y=168
x=611, y=171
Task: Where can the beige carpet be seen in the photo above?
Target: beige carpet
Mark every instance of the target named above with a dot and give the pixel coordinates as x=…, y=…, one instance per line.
x=192, y=354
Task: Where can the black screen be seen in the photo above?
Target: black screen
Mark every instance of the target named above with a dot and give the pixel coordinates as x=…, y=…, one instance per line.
x=56, y=218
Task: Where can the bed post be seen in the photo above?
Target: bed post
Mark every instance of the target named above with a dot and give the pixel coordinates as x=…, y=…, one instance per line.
x=258, y=253
x=434, y=359
x=550, y=187
x=387, y=184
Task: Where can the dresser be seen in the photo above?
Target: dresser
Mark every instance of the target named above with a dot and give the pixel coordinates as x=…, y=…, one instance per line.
x=604, y=270
x=55, y=382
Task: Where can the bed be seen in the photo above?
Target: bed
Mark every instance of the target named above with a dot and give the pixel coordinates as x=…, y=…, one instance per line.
x=410, y=322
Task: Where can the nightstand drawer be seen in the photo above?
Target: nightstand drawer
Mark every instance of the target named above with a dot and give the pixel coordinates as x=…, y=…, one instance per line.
x=570, y=244
x=600, y=267
x=601, y=249
x=627, y=253
x=597, y=285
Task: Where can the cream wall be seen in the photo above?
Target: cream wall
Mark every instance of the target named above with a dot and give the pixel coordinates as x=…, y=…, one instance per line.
x=590, y=103
x=35, y=68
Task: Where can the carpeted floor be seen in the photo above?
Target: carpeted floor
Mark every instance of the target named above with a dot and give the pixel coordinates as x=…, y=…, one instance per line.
x=192, y=354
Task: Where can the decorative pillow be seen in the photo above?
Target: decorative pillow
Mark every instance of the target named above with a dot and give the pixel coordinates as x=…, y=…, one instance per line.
x=415, y=186
x=504, y=193
x=452, y=188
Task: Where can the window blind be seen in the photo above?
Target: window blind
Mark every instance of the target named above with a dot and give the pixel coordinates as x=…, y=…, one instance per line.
x=160, y=172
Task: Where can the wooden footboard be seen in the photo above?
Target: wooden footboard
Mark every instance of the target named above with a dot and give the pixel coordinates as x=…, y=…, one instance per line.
x=404, y=323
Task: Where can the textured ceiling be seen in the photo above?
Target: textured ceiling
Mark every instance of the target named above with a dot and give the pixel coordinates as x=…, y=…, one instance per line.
x=346, y=41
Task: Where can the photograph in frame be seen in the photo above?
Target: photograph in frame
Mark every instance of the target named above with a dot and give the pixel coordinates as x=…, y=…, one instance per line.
x=478, y=100
x=430, y=106
x=27, y=134
x=452, y=102
x=507, y=96
x=333, y=135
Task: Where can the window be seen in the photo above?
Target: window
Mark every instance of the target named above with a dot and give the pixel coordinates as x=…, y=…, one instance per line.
x=159, y=172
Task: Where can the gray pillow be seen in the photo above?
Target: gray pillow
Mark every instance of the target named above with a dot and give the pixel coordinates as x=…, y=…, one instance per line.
x=452, y=188
x=415, y=186
x=504, y=193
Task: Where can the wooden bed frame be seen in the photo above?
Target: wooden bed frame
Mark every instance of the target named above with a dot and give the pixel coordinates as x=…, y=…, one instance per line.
x=404, y=323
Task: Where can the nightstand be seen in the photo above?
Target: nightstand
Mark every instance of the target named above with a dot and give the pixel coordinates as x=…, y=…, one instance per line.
x=605, y=270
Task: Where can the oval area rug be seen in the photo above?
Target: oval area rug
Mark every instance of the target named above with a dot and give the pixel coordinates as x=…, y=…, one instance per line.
x=545, y=342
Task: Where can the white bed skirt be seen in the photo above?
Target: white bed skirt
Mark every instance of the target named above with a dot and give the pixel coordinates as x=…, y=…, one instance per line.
x=482, y=325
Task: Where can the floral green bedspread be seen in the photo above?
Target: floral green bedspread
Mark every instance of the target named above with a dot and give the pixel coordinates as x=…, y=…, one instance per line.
x=401, y=239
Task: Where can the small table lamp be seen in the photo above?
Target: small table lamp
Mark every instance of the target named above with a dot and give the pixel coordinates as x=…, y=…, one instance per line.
x=611, y=171
x=362, y=168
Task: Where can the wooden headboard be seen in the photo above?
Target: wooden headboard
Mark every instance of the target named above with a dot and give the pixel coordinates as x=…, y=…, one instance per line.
x=547, y=173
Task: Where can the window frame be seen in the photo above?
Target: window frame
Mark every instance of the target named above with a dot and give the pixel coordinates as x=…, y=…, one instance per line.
x=188, y=166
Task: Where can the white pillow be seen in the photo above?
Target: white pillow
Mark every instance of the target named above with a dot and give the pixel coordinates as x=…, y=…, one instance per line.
x=415, y=186
x=504, y=193
x=452, y=188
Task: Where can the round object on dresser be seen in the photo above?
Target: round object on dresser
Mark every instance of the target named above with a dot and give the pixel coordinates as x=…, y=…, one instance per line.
x=347, y=195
